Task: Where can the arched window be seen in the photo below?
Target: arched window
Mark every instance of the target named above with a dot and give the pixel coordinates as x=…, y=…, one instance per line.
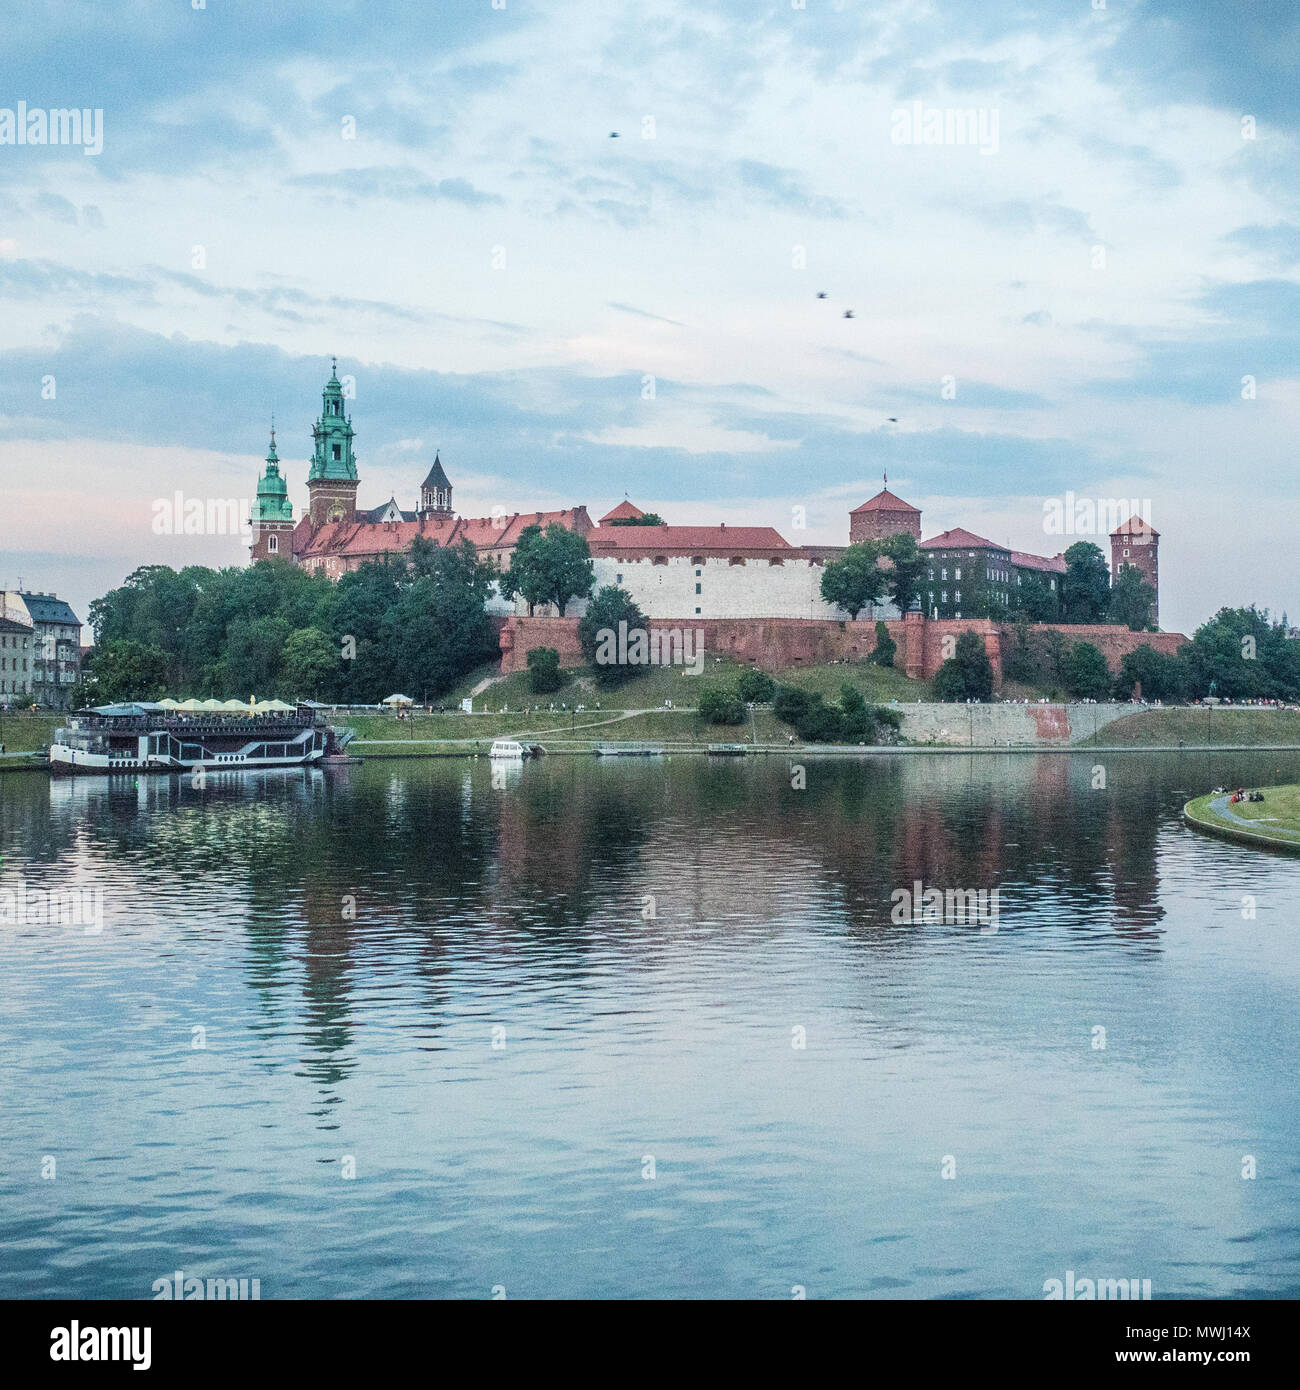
x=661, y=559
x=736, y=560
x=273, y=542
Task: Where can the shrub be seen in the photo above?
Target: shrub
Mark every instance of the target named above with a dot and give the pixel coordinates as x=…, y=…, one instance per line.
x=886, y=647
x=756, y=687
x=1085, y=672
x=719, y=706
x=544, y=674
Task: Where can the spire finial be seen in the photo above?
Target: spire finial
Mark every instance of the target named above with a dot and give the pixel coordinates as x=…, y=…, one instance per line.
x=334, y=364
x=886, y=479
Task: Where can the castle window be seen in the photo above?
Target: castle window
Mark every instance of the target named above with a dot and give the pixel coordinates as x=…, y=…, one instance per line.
x=661, y=559
x=698, y=589
x=273, y=542
x=930, y=575
x=943, y=597
x=775, y=561
x=956, y=598
x=956, y=574
x=736, y=560
x=697, y=612
x=337, y=454
x=943, y=574
x=697, y=560
x=1126, y=552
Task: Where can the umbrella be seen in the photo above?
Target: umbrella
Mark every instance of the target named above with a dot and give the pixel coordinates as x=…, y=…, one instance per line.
x=398, y=700
x=167, y=703
x=190, y=704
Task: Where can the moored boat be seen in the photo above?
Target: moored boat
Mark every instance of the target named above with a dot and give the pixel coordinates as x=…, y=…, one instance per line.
x=148, y=737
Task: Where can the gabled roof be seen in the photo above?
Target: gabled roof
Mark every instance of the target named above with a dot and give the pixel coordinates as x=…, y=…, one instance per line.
x=361, y=538
x=885, y=501
x=1135, y=526
x=45, y=608
x=958, y=539
x=437, y=477
x=686, y=540
x=625, y=511
x=1050, y=565
x=378, y=513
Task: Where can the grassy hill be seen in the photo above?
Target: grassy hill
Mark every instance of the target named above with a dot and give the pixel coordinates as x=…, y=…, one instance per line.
x=1242, y=727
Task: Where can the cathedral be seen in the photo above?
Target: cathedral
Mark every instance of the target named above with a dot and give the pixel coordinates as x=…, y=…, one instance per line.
x=334, y=535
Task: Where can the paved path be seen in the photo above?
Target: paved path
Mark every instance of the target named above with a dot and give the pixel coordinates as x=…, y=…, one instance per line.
x=1260, y=827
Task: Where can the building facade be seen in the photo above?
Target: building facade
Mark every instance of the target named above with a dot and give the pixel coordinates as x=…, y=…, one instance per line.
x=56, y=645
x=17, y=655
x=1136, y=542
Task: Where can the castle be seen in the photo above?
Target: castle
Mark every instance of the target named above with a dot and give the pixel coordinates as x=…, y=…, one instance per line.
x=716, y=571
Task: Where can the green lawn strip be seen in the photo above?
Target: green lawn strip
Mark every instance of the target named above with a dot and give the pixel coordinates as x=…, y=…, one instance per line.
x=1241, y=727
x=1273, y=821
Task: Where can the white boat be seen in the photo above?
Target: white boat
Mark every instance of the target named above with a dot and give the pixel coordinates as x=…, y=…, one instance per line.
x=507, y=748
x=146, y=737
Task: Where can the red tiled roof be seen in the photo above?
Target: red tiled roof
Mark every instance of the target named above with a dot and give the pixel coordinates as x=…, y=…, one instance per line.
x=485, y=532
x=625, y=511
x=1135, y=526
x=958, y=538
x=686, y=540
x=885, y=501
x=1053, y=565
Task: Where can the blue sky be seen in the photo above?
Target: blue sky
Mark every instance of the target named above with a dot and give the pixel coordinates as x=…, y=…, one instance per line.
x=433, y=194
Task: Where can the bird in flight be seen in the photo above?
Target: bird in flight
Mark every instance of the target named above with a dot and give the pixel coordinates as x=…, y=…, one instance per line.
x=613, y=135
x=848, y=313
x=821, y=294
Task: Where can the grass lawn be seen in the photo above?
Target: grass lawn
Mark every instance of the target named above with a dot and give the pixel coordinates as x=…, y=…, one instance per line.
x=27, y=733
x=1277, y=816
x=1242, y=727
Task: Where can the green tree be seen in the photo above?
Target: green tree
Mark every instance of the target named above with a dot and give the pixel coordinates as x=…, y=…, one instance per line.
x=886, y=648
x=645, y=519
x=1131, y=598
x=123, y=669
x=967, y=674
x=855, y=579
x=718, y=705
x=1085, y=672
x=310, y=659
x=1160, y=676
x=755, y=686
x=903, y=573
x=1035, y=601
x=598, y=634
x=1085, y=588
x=551, y=566
x=544, y=674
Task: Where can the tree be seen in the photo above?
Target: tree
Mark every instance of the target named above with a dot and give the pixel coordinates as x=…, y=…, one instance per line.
x=551, y=566
x=1085, y=588
x=1085, y=672
x=309, y=660
x=1131, y=599
x=544, y=674
x=645, y=519
x=598, y=635
x=967, y=674
x=756, y=687
x=1161, y=677
x=124, y=669
x=1035, y=601
x=907, y=563
x=855, y=579
x=886, y=648
x=720, y=706
x=1245, y=655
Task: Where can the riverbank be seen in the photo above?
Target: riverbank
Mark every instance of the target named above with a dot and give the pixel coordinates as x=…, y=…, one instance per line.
x=1273, y=823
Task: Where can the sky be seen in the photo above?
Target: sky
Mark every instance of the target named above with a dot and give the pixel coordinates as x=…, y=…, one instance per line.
x=1097, y=295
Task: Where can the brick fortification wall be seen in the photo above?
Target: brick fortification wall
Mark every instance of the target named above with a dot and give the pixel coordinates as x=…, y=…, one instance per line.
x=777, y=644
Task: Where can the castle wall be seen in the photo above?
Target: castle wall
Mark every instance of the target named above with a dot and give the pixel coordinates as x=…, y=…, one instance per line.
x=754, y=588
x=778, y=644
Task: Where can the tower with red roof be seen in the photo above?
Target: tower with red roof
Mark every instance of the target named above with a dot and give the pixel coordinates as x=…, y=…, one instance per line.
x=1136, y=542
x=884, y=515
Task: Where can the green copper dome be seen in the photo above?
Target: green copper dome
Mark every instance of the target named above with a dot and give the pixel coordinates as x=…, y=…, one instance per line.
x=272, y=502
x=332, y=458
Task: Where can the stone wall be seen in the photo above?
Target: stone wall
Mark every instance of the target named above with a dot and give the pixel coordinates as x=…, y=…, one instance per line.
x=778, y=644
